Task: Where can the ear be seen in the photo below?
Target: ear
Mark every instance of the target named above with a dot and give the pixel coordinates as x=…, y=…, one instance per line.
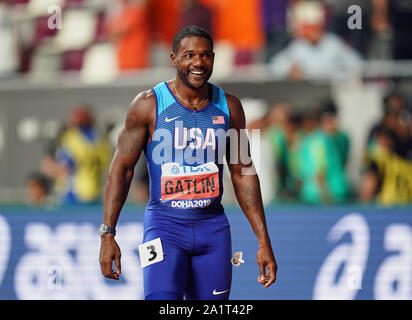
x=173, y=58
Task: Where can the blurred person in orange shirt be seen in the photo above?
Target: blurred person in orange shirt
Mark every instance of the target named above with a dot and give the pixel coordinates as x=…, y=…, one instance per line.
x=239, y=23
x=130, y=31
x=165, y=18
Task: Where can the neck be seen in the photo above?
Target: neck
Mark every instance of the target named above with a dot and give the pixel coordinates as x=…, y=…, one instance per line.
x=194, y=97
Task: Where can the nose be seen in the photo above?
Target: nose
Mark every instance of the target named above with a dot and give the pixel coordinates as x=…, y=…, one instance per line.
x=197, y=61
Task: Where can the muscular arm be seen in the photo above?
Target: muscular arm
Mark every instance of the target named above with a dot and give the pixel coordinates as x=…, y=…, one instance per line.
x=131, y=141
x=248, y=195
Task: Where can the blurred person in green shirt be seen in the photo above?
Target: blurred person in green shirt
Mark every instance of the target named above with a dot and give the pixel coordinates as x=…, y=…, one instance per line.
x=322, y=160
x=284, y=135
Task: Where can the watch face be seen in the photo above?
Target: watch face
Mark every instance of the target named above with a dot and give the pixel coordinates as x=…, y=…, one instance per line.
x=103, y=229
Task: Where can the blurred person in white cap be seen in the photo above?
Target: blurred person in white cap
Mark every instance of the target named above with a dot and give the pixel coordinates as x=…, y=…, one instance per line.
x=314, y=53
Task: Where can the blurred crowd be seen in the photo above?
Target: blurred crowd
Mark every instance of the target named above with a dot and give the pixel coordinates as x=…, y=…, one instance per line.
x=310, y=155
x=297, y=38
x=75, y=164
x=304, y=154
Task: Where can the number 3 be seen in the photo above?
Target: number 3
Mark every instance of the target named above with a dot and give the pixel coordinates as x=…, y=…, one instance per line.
x=152, y=252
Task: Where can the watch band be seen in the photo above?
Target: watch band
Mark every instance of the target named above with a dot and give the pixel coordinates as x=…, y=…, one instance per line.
x=104, y=229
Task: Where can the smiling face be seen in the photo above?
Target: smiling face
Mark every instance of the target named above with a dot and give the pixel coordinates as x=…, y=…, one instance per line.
x=194, y=61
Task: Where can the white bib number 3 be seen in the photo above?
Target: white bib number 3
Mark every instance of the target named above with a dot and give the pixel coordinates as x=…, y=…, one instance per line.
x=150, y=252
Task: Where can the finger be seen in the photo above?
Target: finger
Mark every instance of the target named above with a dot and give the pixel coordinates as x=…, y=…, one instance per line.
x=107, y=271
x=111, y=275
x=271, y=277
x=261, y=278
x=117, y=264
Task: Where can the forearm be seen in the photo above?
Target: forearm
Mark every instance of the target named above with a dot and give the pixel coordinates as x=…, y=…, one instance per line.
x=115, y=195
x=248, y=195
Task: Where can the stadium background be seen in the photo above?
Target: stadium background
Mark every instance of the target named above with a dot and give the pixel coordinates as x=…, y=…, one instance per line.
x=350, y=251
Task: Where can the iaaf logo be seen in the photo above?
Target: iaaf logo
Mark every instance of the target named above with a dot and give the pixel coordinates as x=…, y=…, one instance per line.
x=177, y=169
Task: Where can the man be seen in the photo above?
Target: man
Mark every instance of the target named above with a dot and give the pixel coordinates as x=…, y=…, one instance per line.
x=387, y=179
x=129, y=30
x=184, y=209
x=81, y=158
x=314, y=53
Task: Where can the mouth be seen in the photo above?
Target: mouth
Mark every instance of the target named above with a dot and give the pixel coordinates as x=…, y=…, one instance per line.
x=197, y=73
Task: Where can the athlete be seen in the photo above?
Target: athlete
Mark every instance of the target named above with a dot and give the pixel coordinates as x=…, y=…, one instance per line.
x=180, y=125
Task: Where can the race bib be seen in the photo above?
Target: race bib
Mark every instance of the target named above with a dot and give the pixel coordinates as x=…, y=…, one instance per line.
x=150, y=252
x=186, y=187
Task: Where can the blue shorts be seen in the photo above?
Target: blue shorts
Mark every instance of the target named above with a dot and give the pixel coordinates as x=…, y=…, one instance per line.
x=196, y=262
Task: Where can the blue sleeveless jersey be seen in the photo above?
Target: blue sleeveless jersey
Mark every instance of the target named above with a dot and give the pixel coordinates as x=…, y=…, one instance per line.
x=185, y=156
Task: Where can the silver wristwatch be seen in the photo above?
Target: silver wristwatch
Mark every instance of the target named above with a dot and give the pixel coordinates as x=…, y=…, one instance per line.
x=103, y=229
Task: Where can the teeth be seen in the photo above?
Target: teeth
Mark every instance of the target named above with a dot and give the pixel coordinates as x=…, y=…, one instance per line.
x=197, y=72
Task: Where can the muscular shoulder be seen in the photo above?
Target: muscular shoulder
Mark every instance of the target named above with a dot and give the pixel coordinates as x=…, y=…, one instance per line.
x=143, y=108
x=144, y=103
x=237, y=114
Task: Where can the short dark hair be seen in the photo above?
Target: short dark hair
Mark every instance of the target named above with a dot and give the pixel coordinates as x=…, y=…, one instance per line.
x=41, y=180
x=190, y=31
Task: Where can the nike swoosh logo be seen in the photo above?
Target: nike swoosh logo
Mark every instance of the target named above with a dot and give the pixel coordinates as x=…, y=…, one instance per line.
x=215, y=293
x=171, y=119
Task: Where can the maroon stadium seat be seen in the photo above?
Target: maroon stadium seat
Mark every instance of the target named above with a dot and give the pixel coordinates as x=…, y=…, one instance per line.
x=73, y=60
x=16, y=2
x=41, y=30
x=73, y=3
x=100, y=26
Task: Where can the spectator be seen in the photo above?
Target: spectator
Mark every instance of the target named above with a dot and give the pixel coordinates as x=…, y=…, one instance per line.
x=395, y=118
x=395, y=16
x=129, y=30
x=239, y=23
x=38, y=189
x=409, y=143
x=290, y=158
x=323, y=179
x=284, y=134
x=165, y=20
x=310, y=120
x=275, y=25
x=81, y=159
x=314, y=53
x=329, y=125
x=387, y=179
x=196, y=13
x=277, y=119
x=8, y=43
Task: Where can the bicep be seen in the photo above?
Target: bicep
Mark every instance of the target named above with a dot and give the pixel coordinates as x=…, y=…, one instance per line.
x=237, y=148
x=131, y=141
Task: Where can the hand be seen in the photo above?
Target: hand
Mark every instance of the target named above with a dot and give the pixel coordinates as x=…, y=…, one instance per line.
x=109, y=251
x=296, y=73
x=266, y=259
